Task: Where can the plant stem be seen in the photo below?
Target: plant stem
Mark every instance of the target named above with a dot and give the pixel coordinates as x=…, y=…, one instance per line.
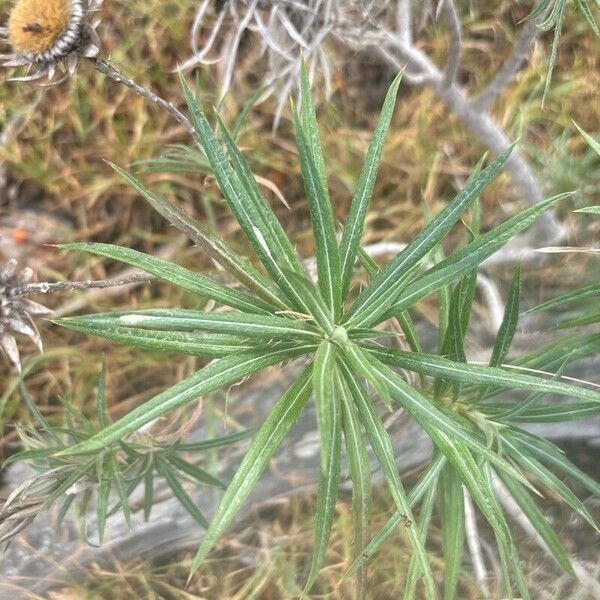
x=106, y=68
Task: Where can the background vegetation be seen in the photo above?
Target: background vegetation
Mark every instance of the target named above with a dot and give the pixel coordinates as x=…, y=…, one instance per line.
x=56, y=187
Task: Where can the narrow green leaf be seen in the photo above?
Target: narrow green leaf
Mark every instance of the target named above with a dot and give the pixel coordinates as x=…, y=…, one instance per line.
x=322, y=382
x=218, y=442
x=558, y=20
x=360, y=474
x=148, y=471
x=200, y=475
x=311, y=127
x=241, y=325
x=403, y=318
x=173, y=482
x=355, y=221
x=179, y=342
x=584, y=9
x=522, y=456
x=329, y=420
x=547, y=413
x=362, y=363
x=384, y=451
x=592, y=210
x=423, y=522
x=377, y=298
x=238, y=200
x=537, y=518
x=217, y=374
x=68, y=483
x=104, y=485
x=119, y=482
x=256, y=459
x=452, y=511
x=436, y=366
x=465, y=259
x=285, y=249
x=508, y=327
x=101, y=409
x=438, y=421
x=551, y=455
x=179, y=276
x=554, y=355
x=321, y=216
x=425, y=482
x=239, y=267
x=313, y=301
x=584, y=293
x=595, y=146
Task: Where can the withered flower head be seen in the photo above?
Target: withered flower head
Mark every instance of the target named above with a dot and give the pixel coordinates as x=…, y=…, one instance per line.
x=16, y=311
x=50, y=35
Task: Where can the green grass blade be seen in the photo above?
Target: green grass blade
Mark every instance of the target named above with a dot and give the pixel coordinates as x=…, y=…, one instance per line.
x=321, y=216
x=377, y=298
x=452, y=512
x=239, y=267
x=468, y=257
x=592, y=143
x=268, y=439
x=384, y=451
x=353, y=229
x=217, y=374
x=176, y=275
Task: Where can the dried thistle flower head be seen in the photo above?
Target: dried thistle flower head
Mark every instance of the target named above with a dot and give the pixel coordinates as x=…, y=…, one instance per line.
x=46, y=35
x=16, y=311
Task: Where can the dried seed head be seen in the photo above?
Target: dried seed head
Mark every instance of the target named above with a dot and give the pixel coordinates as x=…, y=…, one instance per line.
x=46, y=35
x=16, y=311
x=35, y=25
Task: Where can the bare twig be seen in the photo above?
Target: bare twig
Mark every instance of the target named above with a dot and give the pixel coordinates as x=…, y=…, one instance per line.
x=513, y=64
x=455, y=49
x=104, y=67
x=69, y=286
